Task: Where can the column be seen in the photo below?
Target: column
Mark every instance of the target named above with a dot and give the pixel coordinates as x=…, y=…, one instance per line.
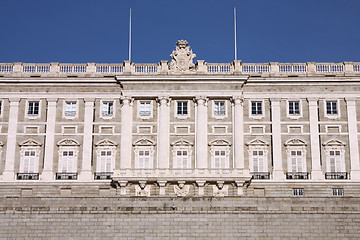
x=86, y=172
x=238, y=126
x=353, y=138
x=9, y=171
x=316, y=172
x=48, y=172
x=126, y=133
x=278, y=172
x=201, y=143
x=164, y=133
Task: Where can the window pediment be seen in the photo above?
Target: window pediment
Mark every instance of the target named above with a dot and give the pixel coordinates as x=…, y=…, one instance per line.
x=295, y=142
x=182, y=142
x=29, y=143
x=257, y=142
x=144, y=142
x=68, y=142
x=106, y=143
x=334, y=143
x=220, y=142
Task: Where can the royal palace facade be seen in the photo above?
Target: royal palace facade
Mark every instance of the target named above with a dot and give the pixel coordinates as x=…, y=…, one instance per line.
x=180, y=128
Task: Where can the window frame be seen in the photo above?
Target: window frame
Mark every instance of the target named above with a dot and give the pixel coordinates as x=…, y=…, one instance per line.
x=151, y=105
x=220, y=146
x=176, y=106
x=337, y=192
x=144, y=145
x=182, y=145
x=33, y=116
x=68, y=145
x=257, y=116
x=332, y=115
x=258, y=145
x=294, y=115
x=296, y=145
x=107, y=116
x=298, y=192
x=30, y=146
x=335, y=146
x=214, y=113
x=65, y=110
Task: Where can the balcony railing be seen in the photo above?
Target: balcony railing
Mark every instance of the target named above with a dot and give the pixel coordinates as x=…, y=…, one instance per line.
x=28, y=176
x=336, y=175
x=202, y=67
x=260, y=175
x=66, y=176
x=103, y=175
x=297, y=175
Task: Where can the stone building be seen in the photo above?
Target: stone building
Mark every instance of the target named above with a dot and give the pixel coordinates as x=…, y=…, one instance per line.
x=181, y=129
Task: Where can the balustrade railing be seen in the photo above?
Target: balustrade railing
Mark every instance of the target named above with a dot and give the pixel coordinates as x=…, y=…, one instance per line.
x=336, y=175
x=28, y=176
x=103, y=175
x=297, y=175
x=260, y=175
x=66, y=176
x=163, y=68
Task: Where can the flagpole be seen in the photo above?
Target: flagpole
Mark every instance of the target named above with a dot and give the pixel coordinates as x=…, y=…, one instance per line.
x=130, y=37
x=235, y=33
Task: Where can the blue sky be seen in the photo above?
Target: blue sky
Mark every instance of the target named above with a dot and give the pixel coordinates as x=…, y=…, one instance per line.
x=97, y=31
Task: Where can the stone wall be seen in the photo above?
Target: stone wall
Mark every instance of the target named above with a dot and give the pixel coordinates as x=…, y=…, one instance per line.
x=61, y=217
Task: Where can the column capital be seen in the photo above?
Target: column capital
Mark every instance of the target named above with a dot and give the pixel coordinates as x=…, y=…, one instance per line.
x=350, y=100
x=14, y=99
x=127, y=100
x=52, y=100
x=89, y=99
x=237, y=100
x=312, y=99
x=201, y=100
x=163, y=100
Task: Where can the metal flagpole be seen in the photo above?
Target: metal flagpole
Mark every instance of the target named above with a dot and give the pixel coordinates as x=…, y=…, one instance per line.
x=130, y=37
x=235, y=33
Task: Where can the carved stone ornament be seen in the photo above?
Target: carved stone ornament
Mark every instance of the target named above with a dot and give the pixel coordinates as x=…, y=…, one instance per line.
x=182, y=58
x=220, y=190
x=106, y=142
x=142, y=191
x=181, y=190
x=29, y=142
x=68, y=142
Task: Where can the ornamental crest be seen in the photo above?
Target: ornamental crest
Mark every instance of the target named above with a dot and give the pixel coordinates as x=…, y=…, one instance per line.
x=182, y=58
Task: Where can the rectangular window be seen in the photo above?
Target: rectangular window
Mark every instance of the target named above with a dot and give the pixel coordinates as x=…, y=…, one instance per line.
x=298, y=192
x=258, y=161
x=294, y=108
x=145, y=108
x=70, y=108
x=338, y=192
x=335, y=161
x=296, y=161
x=107, y=109
x=256, y=108
x=68, y=162
x=29, y=162
x=219, y=108
x=331, y=108
x=220, y=159
x=182, y=108
x=33, y=108
x=105, y=161
x=144, y=159
x=182, y=159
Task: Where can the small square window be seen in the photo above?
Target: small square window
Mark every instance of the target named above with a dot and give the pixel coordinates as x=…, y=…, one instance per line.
x=70, y=108
x=298, y=192
x=219, y=108
x=182, y=108
x=294, y=108
x=331, y=108
x=145, y=108
x=256, y=108
x=107, y=109
x=337, y=192
x=33, y=108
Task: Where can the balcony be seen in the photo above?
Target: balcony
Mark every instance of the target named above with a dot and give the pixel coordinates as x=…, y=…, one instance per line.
x=27, y=176
x=66, y=176
x=336, y=175
x=102, y=175
x=260, y=175
x=297, y=175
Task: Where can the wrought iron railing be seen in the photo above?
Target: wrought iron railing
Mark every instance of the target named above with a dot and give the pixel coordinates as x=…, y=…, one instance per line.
x=336, y=175
x=102, y=175
x=28, y=176
x=66, y=176
x=297, y=175
x=260, y=175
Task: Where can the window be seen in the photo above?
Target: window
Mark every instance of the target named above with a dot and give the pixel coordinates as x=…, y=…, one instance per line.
x=182, y=108
x=219, y=108
x=220, y=159
x=257, y=159
x=296, y=161
x=29, y=162
x=335, y=161
x=294, y=108
x=68, y=162
x=182, y=151
x=298, y=192
x=337, y=192
x=33, y=108
x=107, y=109
x=220, y=151
x=144, y=159
x=256, y=108
x=70, y=108
x=331, y=108
x=144, y=153
x=105, y=161
x=181, y=160
x=145, y=108
x=29, y=157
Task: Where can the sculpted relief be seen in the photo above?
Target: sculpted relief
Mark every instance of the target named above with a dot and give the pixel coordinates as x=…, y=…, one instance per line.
x=182, y=58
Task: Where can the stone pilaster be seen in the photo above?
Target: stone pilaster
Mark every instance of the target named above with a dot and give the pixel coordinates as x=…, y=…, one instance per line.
x=126, y=133
x=353, y=139
x=238, y=126
x=201, y=132
x=278, y=172
x=316, y=172
x=9, y=171
x=86, y=172
x=164, y=132
x=48, y=172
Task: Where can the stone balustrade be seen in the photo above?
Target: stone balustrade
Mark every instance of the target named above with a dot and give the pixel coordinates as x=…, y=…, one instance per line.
x=18, y=69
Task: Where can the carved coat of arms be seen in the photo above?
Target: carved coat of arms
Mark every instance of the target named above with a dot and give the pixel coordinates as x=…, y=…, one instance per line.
x=182, y=58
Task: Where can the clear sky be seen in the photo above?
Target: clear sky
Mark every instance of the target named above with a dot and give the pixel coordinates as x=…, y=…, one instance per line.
x=97, y=30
